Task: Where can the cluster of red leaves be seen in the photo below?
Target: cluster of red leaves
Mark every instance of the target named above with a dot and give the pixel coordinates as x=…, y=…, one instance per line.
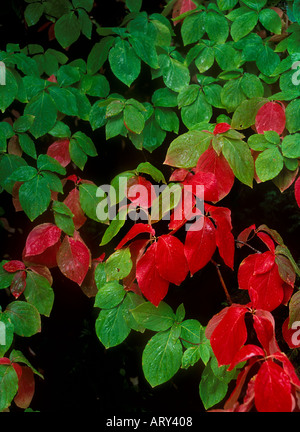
x=272, y=384
x=26, y=383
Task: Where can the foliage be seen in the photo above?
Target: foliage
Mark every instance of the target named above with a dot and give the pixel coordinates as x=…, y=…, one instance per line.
x=227, y=97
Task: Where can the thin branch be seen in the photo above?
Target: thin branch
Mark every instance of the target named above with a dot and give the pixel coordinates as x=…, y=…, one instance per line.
x=249, y=246
x=222, y=282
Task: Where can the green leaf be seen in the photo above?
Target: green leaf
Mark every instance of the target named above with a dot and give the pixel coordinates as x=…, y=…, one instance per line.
x=60, y=130
x=67, y=29
x=164, y=97
x=188, y=95
x=130, y=302
x=154, y=318
x=48, y=163
x=176, y=75
x=24, y=317
x=23, y=123
x=124, y=62
x=109, y=295
x=190, y=357
x=63, y=217
x=167, y=119
x=227, y=57
x=268, y=164
x=8, y=164
x=153, y=135
x=33, y=13
x=291, y=146
x=39, y=293
x=114, y=227
x=252, y=86
x=161, y=358
x=144, y=48
x=267, y=60
x=8, y=384
x=205, y=60
x=65, y=101
x=53, y=181
x=85, y=143
x=6, y=333
x=186, y=149
x=100, y=275
x=89, y=200
x=232, y=94
x=22, y=174
x=212, y=389
x=198, y=112
x=258, y=142
x=148, y=168
x=118, y=265
x=86, y=4
x=5, y=277
x=216, y=27
x=193, y=28
x=133, y=119
x=243, y=25
x=292, y=116
x=226, y=4
x=134, y=5
x=99, y=54
x=8, y=92
x=67, y=75
x=17, y=356
x=44, y=110
x=239, y=157
x=244, y=116
x=35, y=197
x=111, y=326
x=270, y=20
x=255, y=4
x=96, y=85
x=97, y=117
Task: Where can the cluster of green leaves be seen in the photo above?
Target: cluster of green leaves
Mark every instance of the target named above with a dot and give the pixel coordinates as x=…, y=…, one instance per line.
x=215, y=68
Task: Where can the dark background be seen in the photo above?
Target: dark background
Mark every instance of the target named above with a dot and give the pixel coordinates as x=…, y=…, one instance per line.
x=80, y=374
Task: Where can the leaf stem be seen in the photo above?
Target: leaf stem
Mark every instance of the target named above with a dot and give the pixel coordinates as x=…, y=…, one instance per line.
x=222, y=281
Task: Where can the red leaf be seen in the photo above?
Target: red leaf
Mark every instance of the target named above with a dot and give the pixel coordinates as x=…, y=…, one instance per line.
x=297, y=191
x=200, y=245
x=264, y=262
x=291, y=335
x=266, y=290
x=264, y=326
x=152, y=285
x=52, y=78
x=209, y=161
x=224, y=237
x=41, y=238
x=179, y=175
x=73, y=259
x=4, y=360
x=137, y=248
x=26, y=388
x=170, y=259
x=229, y=335
x=209, y=182
x=271, y=116
x=13, y=266
x=245, y=271
x=272, y=389
x=245, y=353
x=73, y=202
x=18, y=284
x=140, y=192
x=288, y=368
x=134, y=231
x=184, y=211
x=182, y=6
x=244, y=235
x=221, y=128
x=47, y=258
x=267, y=240
x=59, y=150
x=18, y=369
